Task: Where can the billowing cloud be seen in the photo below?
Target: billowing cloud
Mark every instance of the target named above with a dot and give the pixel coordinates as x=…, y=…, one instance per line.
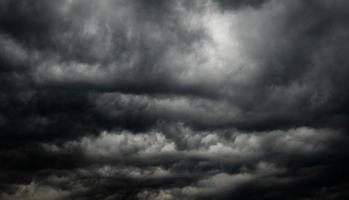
x=211, y=99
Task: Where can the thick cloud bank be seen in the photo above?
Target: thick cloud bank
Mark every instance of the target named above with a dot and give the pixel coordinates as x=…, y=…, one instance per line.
x=174, y=99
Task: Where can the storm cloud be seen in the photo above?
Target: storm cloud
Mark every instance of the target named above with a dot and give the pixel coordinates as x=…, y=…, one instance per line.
x=211, y=99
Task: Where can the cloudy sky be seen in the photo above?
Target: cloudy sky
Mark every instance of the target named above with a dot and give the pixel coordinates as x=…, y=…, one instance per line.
x=174, y=99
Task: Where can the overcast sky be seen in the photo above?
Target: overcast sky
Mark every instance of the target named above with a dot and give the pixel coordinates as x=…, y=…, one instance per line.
x=174, y=99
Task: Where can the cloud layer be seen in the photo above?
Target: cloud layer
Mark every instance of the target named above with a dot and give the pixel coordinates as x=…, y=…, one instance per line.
x=212, y=99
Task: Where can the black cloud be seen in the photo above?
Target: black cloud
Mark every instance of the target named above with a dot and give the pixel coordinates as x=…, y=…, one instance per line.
x=139, y=99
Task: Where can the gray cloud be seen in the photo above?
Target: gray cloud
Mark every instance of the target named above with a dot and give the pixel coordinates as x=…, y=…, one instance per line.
x=194, y=165
x=210, y=99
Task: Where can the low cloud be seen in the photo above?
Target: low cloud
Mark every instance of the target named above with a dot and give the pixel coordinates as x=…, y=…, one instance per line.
x=211, y=99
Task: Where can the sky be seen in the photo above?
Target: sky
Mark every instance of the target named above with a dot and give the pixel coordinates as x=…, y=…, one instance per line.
x=174, y=99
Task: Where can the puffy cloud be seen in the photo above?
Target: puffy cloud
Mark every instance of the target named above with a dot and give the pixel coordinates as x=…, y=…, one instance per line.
x=211, y=99
x=34, y=191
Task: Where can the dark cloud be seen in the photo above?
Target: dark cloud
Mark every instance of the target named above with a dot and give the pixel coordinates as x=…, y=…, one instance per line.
x=118, y=99
x=240, y=4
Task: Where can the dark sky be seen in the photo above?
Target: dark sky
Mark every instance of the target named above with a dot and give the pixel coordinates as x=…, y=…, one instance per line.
x=174, y=99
